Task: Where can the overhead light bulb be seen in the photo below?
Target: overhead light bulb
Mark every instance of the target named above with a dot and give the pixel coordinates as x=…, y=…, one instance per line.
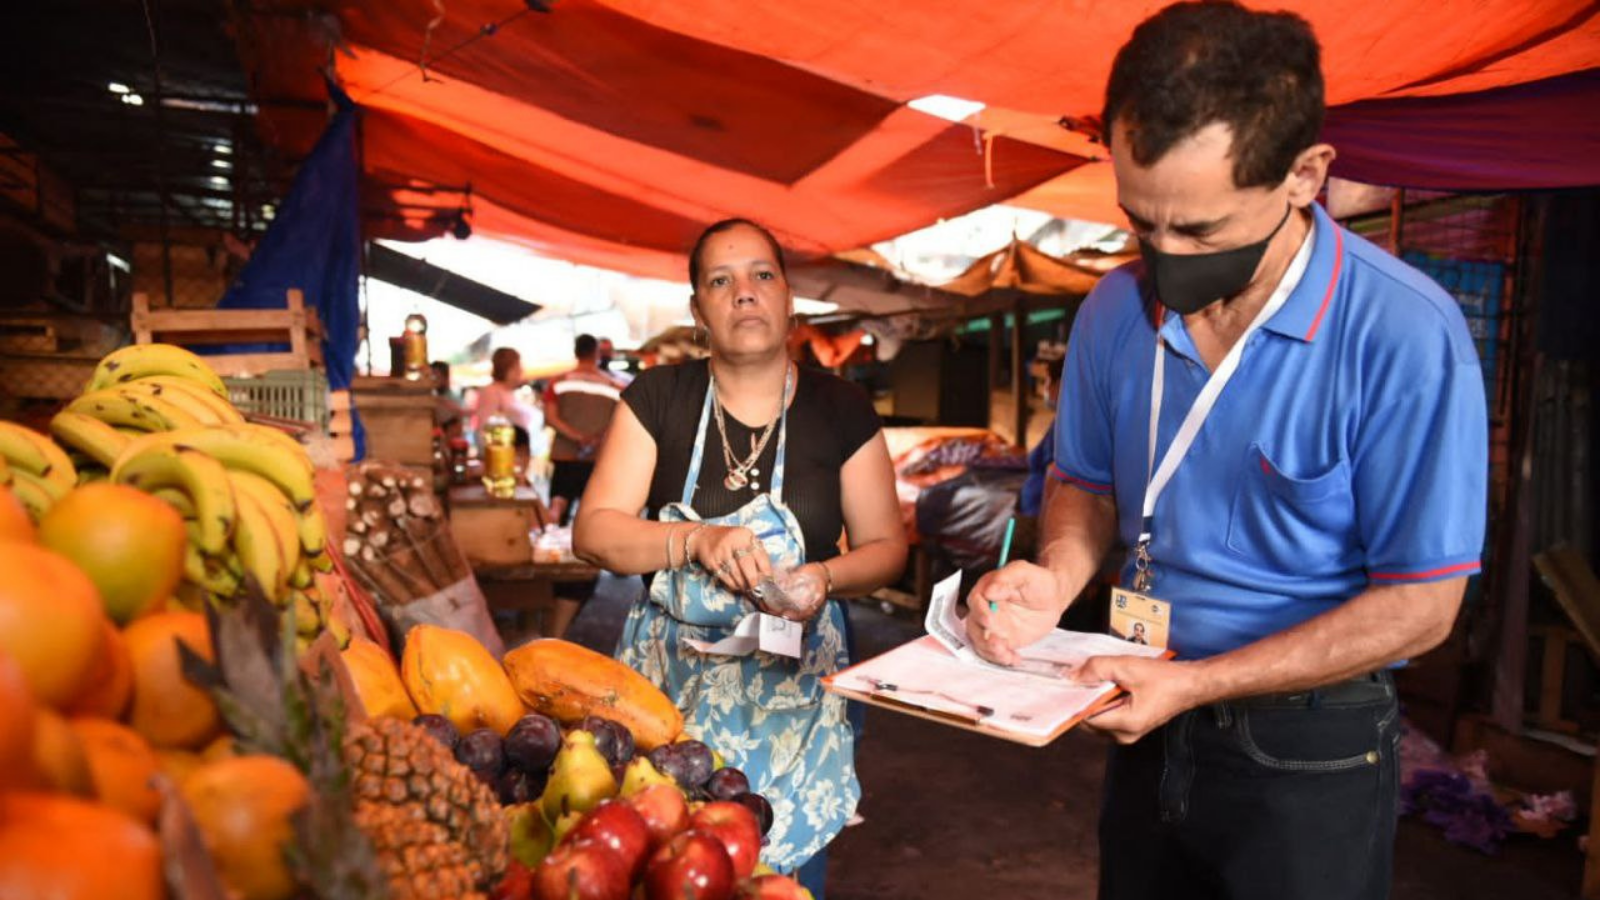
x=117, y=87
x=133, y=99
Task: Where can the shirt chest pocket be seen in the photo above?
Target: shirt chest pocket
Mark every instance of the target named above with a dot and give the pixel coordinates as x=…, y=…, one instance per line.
x=1300, y=522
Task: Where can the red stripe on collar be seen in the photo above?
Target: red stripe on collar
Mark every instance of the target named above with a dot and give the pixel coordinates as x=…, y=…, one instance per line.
x=1333, y=281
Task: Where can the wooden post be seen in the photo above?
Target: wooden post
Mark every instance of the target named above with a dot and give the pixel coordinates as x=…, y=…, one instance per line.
x=997, y=336
x=1019, y=325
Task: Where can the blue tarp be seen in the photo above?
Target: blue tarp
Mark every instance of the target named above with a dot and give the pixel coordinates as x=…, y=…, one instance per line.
x=314, y=244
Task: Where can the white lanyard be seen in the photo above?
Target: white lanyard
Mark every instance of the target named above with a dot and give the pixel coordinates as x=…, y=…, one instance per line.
x=1159, y=476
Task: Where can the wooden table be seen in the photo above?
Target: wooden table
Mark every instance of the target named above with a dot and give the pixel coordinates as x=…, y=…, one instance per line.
x=528, y=590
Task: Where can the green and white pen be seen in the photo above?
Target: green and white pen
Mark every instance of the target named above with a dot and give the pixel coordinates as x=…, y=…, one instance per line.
x=1005, y=553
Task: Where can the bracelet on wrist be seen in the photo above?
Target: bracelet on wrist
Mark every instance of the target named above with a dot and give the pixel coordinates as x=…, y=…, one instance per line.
x=827, y=575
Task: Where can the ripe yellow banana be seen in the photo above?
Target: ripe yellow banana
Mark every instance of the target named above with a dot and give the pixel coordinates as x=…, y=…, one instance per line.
x=32, y=494
x=186, y=401
x=29, y=451
x=5, y=472
x=222, y=410
x=258, y=548
x=303, y=576
x=144, y=360
x=307, y=614
x=52, y=490
x=278, y=511
x=89, y=436
x=196, y=474
x=178, y=500
x=133, y=409
x=252, y=448
x=209, y=574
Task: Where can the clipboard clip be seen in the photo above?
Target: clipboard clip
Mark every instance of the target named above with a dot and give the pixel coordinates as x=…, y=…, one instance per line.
x=882, y=688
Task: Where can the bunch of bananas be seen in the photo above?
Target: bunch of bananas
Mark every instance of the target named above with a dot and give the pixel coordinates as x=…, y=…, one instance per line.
x=156, y=417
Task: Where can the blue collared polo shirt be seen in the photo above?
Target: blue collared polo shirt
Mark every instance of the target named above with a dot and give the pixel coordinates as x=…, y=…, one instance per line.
x=1350, y=449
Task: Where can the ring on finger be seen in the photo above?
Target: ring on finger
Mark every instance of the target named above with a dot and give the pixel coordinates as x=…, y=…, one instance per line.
x=742, y=553
x=725, y=567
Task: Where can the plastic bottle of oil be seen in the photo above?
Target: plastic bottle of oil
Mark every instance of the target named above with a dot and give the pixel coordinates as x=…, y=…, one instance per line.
x=499, y=458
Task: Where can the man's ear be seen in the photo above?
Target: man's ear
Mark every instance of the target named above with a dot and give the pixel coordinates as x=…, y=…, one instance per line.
x=1309, y=173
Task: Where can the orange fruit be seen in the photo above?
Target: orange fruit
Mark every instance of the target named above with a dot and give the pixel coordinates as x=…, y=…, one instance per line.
x=122, y=765
x=16, y=725
x=243, y=808
x=224, y=747
x=15, y=525
x=49, y=621
x=67, y=849
x=59, y=760
x=178, y=764
x=110, y=684
x=167, y=709
x=129, y=543
x=377, y=681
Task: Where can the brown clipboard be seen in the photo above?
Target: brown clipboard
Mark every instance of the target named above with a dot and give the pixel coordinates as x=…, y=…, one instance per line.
x=970, y=723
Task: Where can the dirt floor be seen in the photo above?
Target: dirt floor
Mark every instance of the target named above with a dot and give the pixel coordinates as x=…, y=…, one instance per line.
x=949, y=814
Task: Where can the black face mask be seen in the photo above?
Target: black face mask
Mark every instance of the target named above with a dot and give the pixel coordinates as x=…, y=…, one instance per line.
x=1188, y=283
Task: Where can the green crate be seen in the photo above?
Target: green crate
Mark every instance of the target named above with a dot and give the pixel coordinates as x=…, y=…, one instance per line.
x=300, y=394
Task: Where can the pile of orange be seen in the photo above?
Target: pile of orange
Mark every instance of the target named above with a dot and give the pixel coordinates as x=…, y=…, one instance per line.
x=95, y=712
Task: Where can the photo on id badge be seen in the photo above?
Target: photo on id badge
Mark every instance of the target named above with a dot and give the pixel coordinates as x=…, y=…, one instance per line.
x=1140, y=619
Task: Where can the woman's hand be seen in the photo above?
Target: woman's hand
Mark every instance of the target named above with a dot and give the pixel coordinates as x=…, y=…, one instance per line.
x=733, y=556
x=802, y=591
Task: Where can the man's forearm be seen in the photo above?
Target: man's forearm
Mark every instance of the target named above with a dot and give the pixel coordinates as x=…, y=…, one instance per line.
x=1375, y=629
x=1078, y=530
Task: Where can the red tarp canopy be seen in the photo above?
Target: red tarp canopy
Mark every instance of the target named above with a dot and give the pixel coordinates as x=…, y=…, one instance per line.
x=610, y=131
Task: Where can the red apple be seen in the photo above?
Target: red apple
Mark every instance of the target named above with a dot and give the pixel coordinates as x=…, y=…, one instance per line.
x=665, y=812
x=516, y=885
x=736, y=827
x=581, y=870
x=617, y=825
x=773, y=887
x=691, y=866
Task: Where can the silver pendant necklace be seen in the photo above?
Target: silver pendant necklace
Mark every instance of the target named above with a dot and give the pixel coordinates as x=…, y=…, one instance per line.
x=740, y=472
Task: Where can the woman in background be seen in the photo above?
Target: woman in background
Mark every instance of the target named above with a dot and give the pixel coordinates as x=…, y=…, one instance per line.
x=499, y=398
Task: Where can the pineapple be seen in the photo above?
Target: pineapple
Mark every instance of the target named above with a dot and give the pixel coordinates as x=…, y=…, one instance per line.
x=436, y=828
x=392, y=813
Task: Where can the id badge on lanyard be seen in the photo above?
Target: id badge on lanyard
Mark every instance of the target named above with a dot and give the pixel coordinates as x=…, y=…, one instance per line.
x=1141, y=598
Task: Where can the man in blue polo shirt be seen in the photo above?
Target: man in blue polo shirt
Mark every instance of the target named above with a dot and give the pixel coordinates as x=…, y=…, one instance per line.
x=1285, y=428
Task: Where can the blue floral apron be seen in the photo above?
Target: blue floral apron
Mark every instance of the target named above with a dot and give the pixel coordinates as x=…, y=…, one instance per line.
x=767, y=715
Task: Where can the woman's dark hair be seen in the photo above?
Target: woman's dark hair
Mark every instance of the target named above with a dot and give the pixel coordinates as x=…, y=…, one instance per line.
x=1193, y=64
x=727, y=225
x=503, y=361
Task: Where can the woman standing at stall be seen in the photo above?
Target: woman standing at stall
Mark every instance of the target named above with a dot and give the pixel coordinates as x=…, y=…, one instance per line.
x=749, y=469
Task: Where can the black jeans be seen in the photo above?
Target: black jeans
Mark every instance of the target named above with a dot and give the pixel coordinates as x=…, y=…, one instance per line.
x=1288, y=797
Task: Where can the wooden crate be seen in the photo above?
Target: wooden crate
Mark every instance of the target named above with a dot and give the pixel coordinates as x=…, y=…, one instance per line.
x=294, y=325
x=398, y=417
x=493, y=532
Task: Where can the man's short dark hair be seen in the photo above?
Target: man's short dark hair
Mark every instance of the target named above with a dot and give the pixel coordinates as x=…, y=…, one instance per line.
x=1193, y=64
x=585, y=346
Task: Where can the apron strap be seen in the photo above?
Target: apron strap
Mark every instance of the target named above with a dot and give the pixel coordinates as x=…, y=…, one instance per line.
x=692, y=480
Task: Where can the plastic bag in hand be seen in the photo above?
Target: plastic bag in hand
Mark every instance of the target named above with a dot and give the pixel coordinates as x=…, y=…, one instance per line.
x=795, y=594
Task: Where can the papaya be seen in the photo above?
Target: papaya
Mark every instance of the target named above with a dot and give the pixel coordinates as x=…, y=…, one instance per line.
x=450, y=673
x=567, y=682
x=377, y=681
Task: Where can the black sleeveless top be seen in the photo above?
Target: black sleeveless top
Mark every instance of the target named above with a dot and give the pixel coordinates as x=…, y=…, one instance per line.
x=829, y=420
